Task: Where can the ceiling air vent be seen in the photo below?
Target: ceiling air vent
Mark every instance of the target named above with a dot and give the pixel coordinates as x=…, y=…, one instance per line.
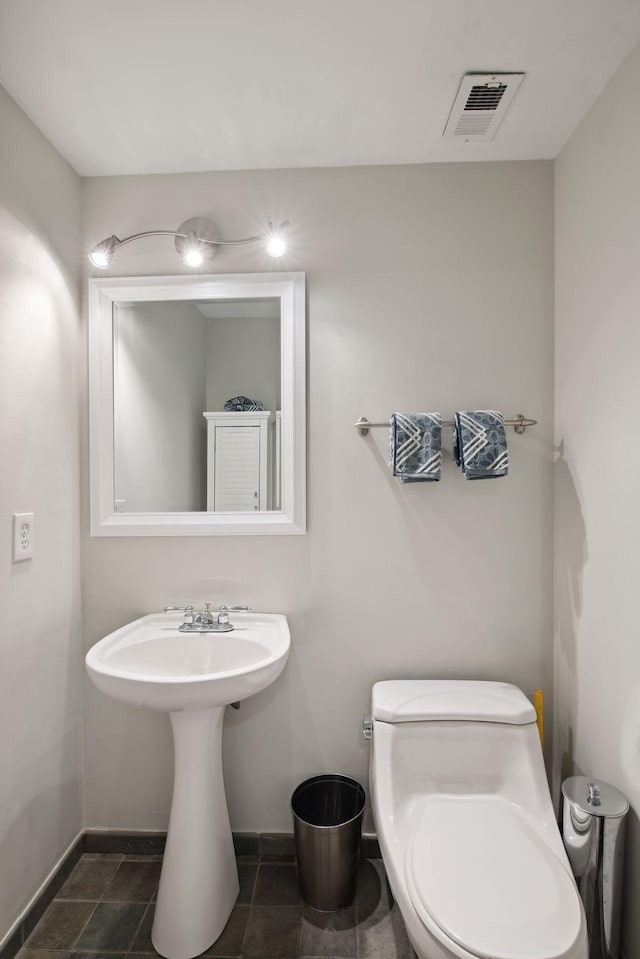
x=482, y=101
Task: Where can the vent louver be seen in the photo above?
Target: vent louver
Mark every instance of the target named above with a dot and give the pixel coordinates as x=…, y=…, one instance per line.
x=481, y=103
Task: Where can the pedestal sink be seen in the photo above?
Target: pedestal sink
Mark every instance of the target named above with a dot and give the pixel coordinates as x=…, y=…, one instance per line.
x=192, y=677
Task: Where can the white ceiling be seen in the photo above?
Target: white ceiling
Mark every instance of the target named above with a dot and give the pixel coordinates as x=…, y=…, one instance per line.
x=158, y=86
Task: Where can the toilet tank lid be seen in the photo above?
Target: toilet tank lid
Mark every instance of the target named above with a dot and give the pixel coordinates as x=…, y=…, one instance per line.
x=422, y=700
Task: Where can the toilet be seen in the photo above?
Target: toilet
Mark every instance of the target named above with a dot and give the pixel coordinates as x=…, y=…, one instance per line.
x=466, y=827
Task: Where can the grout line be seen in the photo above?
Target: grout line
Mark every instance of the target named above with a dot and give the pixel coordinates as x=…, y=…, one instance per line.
x=79, y=936
x=138, y=927
x=299, y=949
x=250, y=906
x=115, y=873
x=253, y=888
x=246, y=932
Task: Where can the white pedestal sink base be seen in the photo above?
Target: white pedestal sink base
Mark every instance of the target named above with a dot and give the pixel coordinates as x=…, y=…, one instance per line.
x=199, y=880
x=150, y=663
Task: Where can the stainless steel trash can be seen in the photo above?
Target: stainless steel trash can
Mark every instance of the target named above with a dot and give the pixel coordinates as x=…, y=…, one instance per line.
x=327, y=817
x=593, y=826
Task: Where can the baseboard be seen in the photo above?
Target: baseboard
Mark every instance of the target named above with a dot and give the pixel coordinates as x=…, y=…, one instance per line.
x=271, y=845
x=129, y=842
x=268, y=845
x=25, y=923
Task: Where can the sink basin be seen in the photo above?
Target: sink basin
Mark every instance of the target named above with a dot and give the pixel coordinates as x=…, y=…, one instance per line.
x=192, y=676
x=149, y=663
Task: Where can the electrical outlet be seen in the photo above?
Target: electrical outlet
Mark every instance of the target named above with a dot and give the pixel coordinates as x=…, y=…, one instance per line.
x=22, y=537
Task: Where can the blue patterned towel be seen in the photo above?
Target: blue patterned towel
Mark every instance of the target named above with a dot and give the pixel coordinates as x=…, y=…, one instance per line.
x=416, y=446
x=242, y=404
x=480, y=444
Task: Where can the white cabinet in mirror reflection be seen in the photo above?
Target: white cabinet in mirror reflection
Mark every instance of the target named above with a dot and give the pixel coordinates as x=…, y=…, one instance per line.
x=241, y=453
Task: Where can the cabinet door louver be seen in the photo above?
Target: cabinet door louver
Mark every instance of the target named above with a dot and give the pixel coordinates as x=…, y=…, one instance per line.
x=237, y=468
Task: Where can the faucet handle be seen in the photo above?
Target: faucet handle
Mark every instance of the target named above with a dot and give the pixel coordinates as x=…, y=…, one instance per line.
x=223, y=615
x=187, y=610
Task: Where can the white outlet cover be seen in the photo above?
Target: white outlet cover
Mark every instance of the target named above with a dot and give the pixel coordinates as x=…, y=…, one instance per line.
x=22, y=537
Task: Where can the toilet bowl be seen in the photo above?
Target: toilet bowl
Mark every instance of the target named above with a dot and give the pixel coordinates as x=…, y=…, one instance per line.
x=465, y=823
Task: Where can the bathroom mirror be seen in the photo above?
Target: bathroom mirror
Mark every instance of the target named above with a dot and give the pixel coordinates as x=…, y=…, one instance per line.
x=197, y=413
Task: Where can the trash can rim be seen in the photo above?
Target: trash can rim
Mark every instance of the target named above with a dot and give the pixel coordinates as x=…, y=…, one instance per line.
x=329, y=777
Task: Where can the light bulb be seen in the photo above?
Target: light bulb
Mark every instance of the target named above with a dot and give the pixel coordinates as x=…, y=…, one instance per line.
x=102, y=254
x=276, y=245
x=193, y=257
x=100, y=259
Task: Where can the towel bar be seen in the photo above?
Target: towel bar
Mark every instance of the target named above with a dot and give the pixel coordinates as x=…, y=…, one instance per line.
x=519, y=423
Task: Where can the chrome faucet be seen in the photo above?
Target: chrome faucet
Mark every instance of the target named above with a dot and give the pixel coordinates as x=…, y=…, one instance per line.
x=206, y=620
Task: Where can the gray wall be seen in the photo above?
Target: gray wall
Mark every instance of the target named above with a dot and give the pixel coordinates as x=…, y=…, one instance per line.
x=597, y=520
x=40, y=646
x=243, y=357
x=160, y=381
x=429, y=287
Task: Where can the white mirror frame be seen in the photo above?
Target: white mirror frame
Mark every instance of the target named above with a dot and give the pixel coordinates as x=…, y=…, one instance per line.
x=103, y=292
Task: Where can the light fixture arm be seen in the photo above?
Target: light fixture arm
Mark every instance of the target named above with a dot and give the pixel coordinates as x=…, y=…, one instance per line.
x=195, y=239
x=201, y=239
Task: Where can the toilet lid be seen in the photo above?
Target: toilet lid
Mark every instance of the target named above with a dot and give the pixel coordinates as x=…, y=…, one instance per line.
x=478, y=870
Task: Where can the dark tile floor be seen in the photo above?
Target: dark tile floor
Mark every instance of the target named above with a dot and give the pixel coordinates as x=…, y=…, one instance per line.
x=105, y=911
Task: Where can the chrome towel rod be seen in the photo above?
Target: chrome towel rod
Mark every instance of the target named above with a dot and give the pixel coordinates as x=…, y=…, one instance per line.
x=519, y=423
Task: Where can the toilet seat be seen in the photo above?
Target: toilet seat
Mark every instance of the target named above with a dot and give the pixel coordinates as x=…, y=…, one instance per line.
x=478, y=873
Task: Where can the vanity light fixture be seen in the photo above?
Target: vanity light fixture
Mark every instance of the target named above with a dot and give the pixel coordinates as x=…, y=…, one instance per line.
x=196, y=240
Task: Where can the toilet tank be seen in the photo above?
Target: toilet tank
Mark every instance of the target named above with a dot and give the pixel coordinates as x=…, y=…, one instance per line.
x=411, y=700
x=456, y=738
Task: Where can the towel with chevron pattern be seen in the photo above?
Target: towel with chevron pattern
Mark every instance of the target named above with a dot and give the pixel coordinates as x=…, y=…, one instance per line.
x=480, y=444
x=242, y=404
x=416, y=446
